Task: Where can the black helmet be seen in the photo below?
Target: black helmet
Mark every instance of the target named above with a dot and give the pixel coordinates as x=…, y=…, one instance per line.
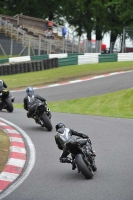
x=59, y=125
x=30, y=91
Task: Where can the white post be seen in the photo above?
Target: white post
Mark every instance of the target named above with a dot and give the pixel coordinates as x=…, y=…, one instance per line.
x=123, y=42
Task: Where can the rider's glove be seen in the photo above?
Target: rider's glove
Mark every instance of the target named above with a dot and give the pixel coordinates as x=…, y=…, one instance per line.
x=89, y=140
x=85, y=136
x=61, y=160
x=28, y=115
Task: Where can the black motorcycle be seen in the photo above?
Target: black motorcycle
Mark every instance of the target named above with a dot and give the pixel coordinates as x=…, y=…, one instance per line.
x=6, y=100
x=81, y=158
x=42, y=115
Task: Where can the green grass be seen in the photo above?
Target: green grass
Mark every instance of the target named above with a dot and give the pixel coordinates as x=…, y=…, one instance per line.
x=4, y=149
x=115, y=104
x=63, y=73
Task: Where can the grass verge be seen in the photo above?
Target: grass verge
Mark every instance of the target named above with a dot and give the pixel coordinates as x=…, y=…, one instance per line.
x=63, y=73
x=4, y=149
x=115, y=104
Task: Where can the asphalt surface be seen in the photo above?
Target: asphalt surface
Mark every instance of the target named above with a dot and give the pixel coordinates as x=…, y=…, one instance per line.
x=111, y=137
x=83, y=89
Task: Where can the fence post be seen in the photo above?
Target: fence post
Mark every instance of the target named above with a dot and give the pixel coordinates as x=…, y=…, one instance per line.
x=29, y=46
x=123, y=42
x=49, y=45
x=79, y=45
x=39, y=45
x=11, y=48
x=63, y=46
x=85, y=45
x=0, y=22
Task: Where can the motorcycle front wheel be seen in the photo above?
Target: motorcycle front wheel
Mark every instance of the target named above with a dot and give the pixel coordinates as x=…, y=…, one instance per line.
x=82, y=166
x=9, y=105
x=47, y=122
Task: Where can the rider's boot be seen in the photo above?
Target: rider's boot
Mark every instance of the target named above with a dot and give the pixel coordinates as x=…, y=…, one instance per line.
x=93, y=165
x=12, y=98
x=49, y=113
x=73, y=166
x=91, y=154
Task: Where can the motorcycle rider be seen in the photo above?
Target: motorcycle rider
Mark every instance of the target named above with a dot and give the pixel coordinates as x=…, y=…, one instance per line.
x=30, y=102
x=3, y=86
x=63, y=135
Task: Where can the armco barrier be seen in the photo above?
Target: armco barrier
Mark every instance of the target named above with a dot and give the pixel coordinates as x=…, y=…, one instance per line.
x=72, y=60
x=88, y=58
x=74, y=54
x=19, y=59
x=41, y=57
x=125, y=57
x=62, y=55
x=23, y=67
x=6, y=60
x=42, y=62
x=107, y=58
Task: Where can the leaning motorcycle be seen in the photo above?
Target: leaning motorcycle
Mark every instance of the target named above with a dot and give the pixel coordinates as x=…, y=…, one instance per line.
x=42, y=115
x=6, y=100
x=81, y=157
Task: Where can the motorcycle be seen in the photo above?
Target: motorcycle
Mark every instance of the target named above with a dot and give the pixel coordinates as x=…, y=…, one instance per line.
x=80, y=157
x=6, y=100
x=42, y=115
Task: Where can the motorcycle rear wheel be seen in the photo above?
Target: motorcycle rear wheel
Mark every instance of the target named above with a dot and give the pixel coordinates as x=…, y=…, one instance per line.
x=47, y=122
x=85, y=170
x=9, y=105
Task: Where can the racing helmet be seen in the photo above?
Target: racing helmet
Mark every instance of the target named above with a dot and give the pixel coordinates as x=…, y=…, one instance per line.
x=59, y=125
x=30, y=91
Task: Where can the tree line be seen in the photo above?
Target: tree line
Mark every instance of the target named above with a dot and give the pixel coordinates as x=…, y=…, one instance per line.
x=87, y=16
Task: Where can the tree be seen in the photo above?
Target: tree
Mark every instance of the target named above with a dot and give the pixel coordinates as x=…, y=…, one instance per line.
x=40, y=9
x=124, y=10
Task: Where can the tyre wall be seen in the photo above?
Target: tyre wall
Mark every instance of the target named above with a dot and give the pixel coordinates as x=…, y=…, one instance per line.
x=30, y=66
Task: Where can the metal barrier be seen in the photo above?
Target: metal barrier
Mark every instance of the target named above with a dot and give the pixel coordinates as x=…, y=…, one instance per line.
x=71, y=60
x=125, y=57
x=107, y=58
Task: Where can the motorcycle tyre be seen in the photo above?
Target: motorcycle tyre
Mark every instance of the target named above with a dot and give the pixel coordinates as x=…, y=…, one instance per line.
x=9, y=105
x=83, y=167
x=1, y=106
x=47, y=122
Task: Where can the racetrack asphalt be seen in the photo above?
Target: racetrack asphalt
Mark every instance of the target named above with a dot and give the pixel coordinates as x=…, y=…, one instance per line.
x=17, y=156
x=80, y=81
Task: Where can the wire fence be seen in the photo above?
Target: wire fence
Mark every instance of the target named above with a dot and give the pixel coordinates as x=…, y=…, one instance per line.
x=127, y=44
x=14, y=44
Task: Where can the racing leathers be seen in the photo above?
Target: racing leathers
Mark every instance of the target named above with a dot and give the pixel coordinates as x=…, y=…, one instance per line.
x=63, y=135
x=2, y=85
x=30, y=103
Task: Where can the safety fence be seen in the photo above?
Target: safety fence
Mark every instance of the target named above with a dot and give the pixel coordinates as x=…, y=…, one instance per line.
x=125, y=57
x=35, y=63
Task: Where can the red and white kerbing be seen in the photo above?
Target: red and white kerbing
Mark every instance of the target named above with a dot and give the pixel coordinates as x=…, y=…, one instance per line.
x=17, y=157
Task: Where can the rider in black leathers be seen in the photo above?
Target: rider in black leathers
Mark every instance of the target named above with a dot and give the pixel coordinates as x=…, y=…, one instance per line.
x=29, y=102
x=63, y=135
x=3, y=86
